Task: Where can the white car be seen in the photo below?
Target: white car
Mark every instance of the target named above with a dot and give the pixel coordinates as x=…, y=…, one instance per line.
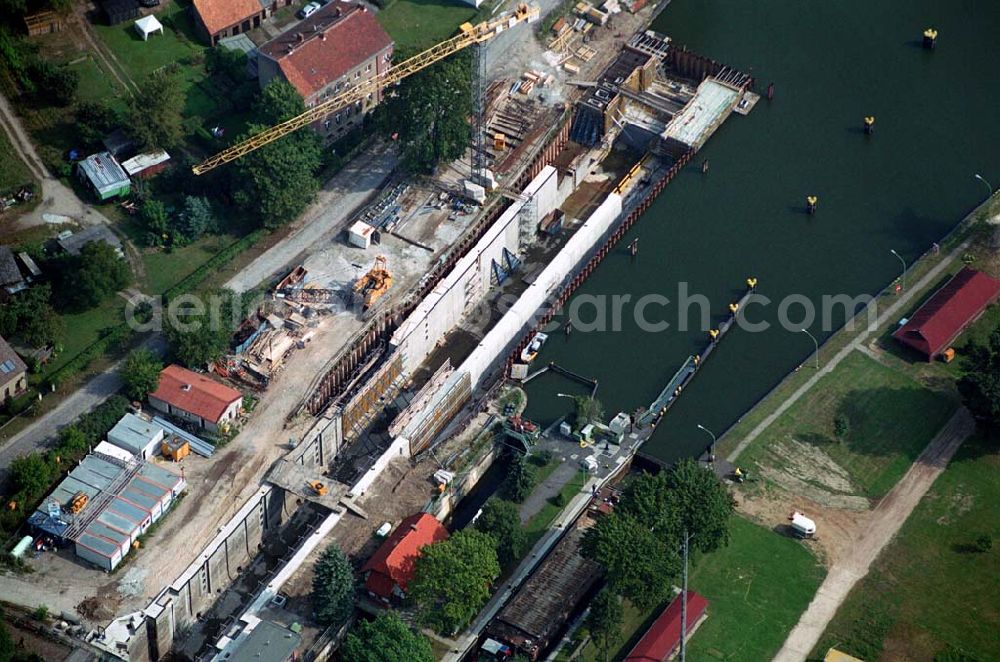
x=309, y=10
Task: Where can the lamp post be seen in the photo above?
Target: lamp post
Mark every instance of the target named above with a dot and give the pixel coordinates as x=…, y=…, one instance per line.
x=711, y=453
x=815, y=344
x=980, y=178
x=902, y=262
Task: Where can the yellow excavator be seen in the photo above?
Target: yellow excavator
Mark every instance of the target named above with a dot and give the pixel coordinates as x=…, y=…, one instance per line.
x=373, y=284
x=468, y=35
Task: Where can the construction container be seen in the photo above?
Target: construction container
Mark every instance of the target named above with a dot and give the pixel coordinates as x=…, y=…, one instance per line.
x=175, y=449
x=360, y=235
x=475, y=192
x=21, y=547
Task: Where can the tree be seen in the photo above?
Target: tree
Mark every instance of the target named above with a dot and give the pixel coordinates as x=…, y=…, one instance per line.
x=276, y=182
x=386, y=639
x=156, y=221
x=605, y=621
x=155, y=110
x=226, y=62
x=196, y=219
x=980, y=385
x=333, y=587
x=94, y=120
x=430, y=113
x=92, y=276
x=700, y=504
x=640, y=566
x=452, y=578
x=141, y=373
x=53, y=83
x=520, y=480
x=30, y=474
x=501, y=520
x=841, y=426
x=588, y=410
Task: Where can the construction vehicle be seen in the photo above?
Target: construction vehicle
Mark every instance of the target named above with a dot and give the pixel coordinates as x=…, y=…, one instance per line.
x=468, y=35
x=78, y=502
x=373, y=284
x=317, y=487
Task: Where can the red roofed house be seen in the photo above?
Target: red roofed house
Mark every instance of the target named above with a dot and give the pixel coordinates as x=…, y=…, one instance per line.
x=390, y=569
x=196, y=398
x=663, y=638
x=945, y=315
x=339, y=46
x=226, y=18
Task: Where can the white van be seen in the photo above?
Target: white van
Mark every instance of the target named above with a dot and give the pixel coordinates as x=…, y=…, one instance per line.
x=802, y=526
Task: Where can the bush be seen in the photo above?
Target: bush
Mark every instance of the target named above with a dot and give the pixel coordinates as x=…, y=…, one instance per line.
x=841, y=426
x=541, y=458
x=983, y=543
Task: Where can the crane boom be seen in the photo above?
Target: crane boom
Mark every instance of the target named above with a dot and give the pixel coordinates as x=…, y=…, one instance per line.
x=468, y=34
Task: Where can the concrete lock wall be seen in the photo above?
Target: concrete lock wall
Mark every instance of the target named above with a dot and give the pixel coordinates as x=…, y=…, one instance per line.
x=515, y=322
x=320, y=444
x=470, y=280
x=216, y=567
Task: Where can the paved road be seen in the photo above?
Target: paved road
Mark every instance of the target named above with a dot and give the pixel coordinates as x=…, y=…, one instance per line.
x=58, y=200
x=88, y=396
x=340, y=198
x=885, y=522
x=889, y=313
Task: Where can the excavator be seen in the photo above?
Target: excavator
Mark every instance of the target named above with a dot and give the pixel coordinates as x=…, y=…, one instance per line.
x=373, y=284
x=468, y=35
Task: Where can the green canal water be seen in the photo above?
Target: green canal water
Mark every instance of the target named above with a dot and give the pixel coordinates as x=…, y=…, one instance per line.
x=832, y=63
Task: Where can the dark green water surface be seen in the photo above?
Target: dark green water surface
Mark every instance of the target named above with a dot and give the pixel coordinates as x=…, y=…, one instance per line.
x=832, y=63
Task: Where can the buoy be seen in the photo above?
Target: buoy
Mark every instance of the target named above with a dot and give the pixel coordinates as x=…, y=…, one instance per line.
x=733, y=307
x=569, y=328
x=811, y=202
x=930, y=38
x=770, y=91
x=869, y=125
x=634, y=247
x=704, y=167
x=752, y=283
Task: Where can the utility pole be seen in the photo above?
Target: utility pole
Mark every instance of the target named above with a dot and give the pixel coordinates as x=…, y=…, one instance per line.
x=478, y=111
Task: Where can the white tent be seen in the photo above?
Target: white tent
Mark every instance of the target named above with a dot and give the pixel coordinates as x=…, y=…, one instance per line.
x=148, y=25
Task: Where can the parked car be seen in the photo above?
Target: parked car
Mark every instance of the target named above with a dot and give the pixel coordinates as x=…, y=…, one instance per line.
x=309, y=10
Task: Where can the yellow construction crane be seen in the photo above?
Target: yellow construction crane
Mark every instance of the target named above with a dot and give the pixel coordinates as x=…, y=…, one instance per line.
x=468, y=35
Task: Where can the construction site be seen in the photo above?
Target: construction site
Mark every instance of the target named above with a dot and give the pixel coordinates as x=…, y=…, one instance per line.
x=377, y=356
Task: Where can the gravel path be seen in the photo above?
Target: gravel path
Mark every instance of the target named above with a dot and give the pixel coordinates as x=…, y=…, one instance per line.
x=886, y=520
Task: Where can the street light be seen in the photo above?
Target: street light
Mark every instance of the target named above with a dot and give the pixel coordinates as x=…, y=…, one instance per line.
x=815, y=343
x=980, y=178
x=711, y=453
x=903, y=262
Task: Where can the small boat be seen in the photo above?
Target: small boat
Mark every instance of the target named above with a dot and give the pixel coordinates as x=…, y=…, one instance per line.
x=529, y=353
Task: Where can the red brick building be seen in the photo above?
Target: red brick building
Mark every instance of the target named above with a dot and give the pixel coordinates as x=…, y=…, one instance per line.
x=390, y=569
x=339, y=46
x=948, y=312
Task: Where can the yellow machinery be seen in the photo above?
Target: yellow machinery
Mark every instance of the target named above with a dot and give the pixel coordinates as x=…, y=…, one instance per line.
x=373, y=284
x=78, y=502
x=175, y=449
x=318, y=487
x=468, y=35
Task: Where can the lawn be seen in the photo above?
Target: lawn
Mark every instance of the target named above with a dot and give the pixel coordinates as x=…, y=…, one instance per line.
x=13, y=171
x=140, y=58
x=757, y=588
x=84, y=329
x=928, y=592
x=96, y=85
x=539, y=524
x=891, y=419
x=164, y=270
x=416, y=25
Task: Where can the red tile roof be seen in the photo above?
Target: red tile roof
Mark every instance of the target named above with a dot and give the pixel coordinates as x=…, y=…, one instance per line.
x=195, y=393
x=327, y=45
x=217, y=15
x=664, y=635
x=392, y=564
x=938, y=322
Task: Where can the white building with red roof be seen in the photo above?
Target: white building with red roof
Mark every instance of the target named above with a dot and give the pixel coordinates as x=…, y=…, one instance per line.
x=390, y=569
x=218, y=19
x=339, y=46
x=196, y=398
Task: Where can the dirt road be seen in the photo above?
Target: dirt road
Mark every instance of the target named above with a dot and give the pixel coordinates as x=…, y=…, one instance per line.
x=59, y=202
x=344, y=194
x=884, y=523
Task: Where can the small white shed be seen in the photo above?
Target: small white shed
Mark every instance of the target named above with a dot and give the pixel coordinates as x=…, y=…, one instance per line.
x=148, y=25
x=360, y=235
x=136, y=435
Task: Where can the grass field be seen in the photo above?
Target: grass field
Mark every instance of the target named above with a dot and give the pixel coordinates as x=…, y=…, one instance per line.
x=891, y=419
x=84, y=329
x=13, y=171
x=419, y=24
x=928, y=592
x=96, y=85
x=141, y=58
x=757, y=588
x=537, y=525
x=164, y=270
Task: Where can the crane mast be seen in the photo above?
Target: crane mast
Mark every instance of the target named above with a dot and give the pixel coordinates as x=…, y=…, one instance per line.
x=468, y=35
